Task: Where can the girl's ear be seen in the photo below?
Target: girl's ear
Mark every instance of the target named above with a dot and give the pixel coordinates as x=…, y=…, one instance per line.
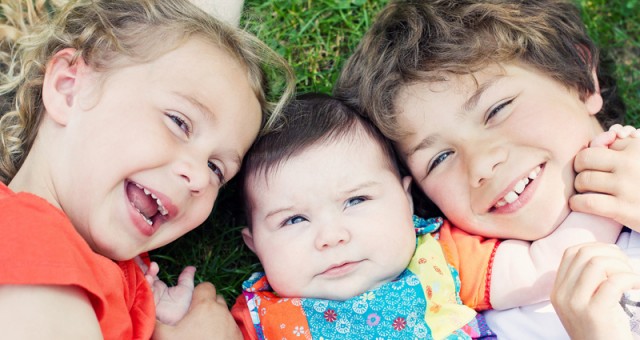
x=247, y=236
x=594, y=100
x=406, y=184
x=60, y=86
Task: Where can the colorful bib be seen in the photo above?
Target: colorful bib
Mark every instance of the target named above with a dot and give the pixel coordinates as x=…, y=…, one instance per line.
x=422, y=303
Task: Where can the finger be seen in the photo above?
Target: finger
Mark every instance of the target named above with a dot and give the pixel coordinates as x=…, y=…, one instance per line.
x=143, y=266
x=597, y=182
x=625, y=131
x=220, y=299
x=187, y=276
x=598, y=159
x=603, y=140
x=203, y=293
x=596, y=204
x=154, y=269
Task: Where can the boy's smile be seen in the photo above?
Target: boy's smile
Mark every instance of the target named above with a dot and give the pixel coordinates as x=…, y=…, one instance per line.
x=495, y=151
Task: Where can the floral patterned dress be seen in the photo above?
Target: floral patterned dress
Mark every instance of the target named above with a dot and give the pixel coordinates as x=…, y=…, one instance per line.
x=421, y=303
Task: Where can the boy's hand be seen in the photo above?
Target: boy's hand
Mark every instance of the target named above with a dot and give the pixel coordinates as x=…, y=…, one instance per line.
x=208, y=318
x=608, y=178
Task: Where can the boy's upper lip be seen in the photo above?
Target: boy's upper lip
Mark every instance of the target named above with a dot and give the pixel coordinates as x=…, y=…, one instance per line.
x=508, y=188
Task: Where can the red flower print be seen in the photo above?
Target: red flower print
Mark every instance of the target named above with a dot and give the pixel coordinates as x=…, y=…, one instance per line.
x=422, y=260
x=330, y=315
x=429, y=292
x=437, y=269
x=399, y=323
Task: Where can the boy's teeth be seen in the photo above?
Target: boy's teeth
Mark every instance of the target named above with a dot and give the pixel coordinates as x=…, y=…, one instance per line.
x=161, y=208
x=513, y=195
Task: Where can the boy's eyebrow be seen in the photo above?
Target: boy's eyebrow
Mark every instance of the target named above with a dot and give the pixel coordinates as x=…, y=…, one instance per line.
x=471, y=103
x=424, y=143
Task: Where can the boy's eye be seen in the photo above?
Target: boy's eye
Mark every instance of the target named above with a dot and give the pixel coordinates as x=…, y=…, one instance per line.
x=354, y=201
x=181, y=123
x=216, y=170
x=438, y=159
x=295, y=220
x=497, y=110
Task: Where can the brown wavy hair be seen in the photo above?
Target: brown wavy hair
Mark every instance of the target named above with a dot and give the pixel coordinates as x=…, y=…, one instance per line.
x=424, y=41
x=108, y=34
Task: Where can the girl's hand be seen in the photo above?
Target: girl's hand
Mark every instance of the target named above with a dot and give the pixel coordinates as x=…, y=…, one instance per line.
x=586, y=295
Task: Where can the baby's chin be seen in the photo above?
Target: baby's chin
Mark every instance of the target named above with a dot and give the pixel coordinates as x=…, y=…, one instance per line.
x=340, y=290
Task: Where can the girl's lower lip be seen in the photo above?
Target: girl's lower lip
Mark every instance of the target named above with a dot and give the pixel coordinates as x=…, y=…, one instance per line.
x=522, y=199
x=138, y=221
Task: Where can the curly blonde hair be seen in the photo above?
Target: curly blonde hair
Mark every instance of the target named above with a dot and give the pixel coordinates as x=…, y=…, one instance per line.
x=107, y=34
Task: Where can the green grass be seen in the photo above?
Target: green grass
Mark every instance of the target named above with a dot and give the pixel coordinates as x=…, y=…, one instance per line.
x=316, y=36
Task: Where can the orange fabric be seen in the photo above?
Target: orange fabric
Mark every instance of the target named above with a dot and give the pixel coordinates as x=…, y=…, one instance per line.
x=240, y=312
x=39, y=246
x=473, y=256
x=279, y=309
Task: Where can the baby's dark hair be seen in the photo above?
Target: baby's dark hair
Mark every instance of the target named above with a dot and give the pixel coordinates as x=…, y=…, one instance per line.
x=415, y=41
x=309, y=120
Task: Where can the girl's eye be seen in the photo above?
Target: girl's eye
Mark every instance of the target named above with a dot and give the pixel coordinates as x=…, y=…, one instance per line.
x=182, y=124
x=294, y=220
x=355, y=201
x=497, y=110
x=216, y=170
x=441, y=157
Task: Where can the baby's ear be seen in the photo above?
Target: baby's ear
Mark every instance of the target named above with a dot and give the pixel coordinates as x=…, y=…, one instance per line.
x=247, y=236
x=60, y=85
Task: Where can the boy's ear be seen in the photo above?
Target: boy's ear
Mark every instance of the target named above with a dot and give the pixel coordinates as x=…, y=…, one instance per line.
x=60, y=85
x=406, y=184
x=594, y=101
x=247, y=236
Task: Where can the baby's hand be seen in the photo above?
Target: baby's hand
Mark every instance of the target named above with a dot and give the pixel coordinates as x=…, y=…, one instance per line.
x=609, y=175
x=172, y=303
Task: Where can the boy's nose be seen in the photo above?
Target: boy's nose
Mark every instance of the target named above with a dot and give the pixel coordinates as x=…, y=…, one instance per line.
x=332, y=234
x=483, y=162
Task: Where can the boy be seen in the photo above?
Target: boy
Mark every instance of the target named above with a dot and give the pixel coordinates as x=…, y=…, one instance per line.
x=476, y=96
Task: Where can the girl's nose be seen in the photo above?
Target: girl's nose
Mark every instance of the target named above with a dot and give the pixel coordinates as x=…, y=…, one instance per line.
x=195, y=174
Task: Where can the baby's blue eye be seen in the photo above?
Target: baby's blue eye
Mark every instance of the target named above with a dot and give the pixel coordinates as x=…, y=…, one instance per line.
x=216, y=170
x=295, y=220
x=355, y=201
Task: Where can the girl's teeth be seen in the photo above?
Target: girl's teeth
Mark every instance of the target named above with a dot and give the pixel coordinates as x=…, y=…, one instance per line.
x=534, y=173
